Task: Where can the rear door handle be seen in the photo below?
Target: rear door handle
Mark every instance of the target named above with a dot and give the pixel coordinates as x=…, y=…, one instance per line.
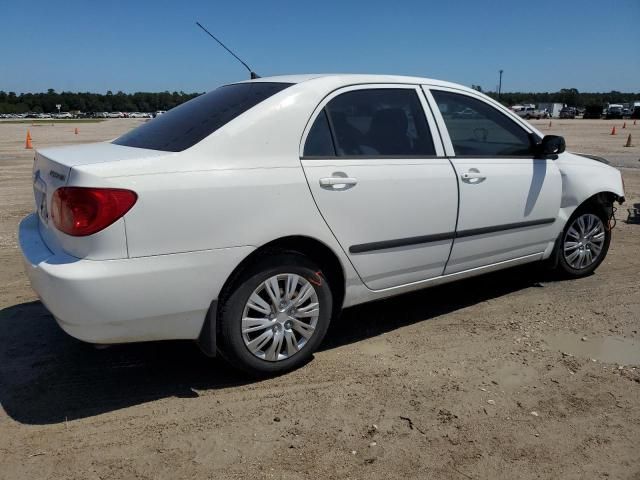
x=473, y=176
x=338, y=183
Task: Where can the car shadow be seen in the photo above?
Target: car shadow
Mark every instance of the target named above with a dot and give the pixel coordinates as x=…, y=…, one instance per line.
x=48, y=377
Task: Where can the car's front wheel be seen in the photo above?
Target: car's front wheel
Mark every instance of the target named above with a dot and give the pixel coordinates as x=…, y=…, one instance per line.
x=585, y=242
x=275, y=315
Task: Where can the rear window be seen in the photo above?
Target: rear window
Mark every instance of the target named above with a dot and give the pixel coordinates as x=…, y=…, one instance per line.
x=187, y=124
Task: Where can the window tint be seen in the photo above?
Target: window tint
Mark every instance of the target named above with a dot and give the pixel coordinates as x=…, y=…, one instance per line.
x=187, y=124
x=477, y=128
x=319, y=142
x=377, y=122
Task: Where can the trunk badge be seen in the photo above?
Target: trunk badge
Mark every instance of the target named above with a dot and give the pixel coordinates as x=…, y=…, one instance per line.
x=54, y=174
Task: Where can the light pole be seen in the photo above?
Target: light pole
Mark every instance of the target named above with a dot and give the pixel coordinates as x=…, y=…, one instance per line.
x=500, y=85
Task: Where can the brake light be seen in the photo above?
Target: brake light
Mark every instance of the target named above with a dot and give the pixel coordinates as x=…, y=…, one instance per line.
x=81, y=211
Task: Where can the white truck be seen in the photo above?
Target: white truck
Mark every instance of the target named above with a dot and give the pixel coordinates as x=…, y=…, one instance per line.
x=529, y=111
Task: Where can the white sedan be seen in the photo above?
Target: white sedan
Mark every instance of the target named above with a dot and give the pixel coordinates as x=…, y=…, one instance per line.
x=248, y=217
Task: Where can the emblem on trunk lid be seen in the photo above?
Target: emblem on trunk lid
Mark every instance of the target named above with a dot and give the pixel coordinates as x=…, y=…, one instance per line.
x=54, y=174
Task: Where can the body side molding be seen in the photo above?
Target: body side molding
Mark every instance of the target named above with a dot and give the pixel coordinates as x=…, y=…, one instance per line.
x=438, y=237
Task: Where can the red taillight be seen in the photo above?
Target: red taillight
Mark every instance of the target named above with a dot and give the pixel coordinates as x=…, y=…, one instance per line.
x=81, y=211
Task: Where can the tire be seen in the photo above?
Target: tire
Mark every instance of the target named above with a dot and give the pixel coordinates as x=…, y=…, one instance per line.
x=575, y=258
x=250, y=345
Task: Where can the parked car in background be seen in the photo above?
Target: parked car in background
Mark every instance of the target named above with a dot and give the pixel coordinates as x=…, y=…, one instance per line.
x=248, y=217
x=568, y=112
x=592, y=112
x=614, y=111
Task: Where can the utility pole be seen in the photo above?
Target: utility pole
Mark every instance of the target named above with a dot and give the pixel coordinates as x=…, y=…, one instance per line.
x=500, y=85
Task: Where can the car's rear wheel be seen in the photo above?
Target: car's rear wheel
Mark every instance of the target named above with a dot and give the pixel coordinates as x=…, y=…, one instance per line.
x=585, y=242
x=275, y=315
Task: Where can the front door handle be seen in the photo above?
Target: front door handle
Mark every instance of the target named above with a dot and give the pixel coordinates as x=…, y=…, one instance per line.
x=339, y=181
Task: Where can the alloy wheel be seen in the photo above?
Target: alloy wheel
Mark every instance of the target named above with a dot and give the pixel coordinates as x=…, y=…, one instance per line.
x=280, y=317
x=584, y=241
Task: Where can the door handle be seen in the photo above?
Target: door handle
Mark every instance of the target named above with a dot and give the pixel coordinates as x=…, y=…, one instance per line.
x=338, y=182
x=473, y=176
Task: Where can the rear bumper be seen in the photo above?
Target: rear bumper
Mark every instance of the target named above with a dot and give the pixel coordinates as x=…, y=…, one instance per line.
x=127, y=300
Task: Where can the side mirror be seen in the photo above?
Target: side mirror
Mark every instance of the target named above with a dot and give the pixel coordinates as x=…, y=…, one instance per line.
x=550, y=147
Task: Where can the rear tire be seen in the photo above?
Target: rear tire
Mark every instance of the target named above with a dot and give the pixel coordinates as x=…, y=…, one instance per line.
x=275, y=315
x=584, y=242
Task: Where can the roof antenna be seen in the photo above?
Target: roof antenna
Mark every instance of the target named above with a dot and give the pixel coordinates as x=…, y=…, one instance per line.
x=252, y=74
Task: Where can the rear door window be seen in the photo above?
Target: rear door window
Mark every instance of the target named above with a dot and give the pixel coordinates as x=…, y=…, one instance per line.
x=384, y=122
x=187, y=124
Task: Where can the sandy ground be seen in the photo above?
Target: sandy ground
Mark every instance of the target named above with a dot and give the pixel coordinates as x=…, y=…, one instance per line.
x=511, y=375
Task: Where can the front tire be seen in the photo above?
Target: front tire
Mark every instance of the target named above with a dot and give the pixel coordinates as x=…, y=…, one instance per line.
x=584, y=242
x=276, y=315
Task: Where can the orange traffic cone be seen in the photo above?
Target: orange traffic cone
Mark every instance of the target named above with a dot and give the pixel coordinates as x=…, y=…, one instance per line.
x=628, y=144
x=613, y=130
x=28, y=144
x=76, y=130
x=624, y=125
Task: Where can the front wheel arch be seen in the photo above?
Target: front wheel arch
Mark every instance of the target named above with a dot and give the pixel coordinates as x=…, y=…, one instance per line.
x=600, y=205
x=602, y=200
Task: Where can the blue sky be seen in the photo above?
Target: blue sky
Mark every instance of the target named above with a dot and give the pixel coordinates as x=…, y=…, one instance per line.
x=136, y=45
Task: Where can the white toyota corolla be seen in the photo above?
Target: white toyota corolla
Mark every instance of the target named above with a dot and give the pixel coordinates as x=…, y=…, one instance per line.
x=248, y=217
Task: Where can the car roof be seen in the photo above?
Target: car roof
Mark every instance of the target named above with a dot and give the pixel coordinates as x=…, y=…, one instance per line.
x=356, y=78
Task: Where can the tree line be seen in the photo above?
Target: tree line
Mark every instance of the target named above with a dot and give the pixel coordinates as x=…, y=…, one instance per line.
x=10, y=102
x=91, y=102
x=569, y=96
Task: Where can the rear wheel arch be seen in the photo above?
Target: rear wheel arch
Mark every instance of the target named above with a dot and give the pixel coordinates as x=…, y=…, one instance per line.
x=310, y=247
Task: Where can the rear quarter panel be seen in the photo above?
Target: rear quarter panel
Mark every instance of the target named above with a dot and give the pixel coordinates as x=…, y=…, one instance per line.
x=190, y=211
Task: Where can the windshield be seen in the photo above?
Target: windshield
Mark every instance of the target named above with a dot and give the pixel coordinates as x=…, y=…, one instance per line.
x=187, y=124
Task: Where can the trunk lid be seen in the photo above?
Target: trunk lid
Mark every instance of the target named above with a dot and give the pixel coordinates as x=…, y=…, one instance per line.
x=52, y=169
x=92, y=153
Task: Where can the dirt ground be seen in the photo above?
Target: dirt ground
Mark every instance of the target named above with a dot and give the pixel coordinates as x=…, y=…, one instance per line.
x=510, y=375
